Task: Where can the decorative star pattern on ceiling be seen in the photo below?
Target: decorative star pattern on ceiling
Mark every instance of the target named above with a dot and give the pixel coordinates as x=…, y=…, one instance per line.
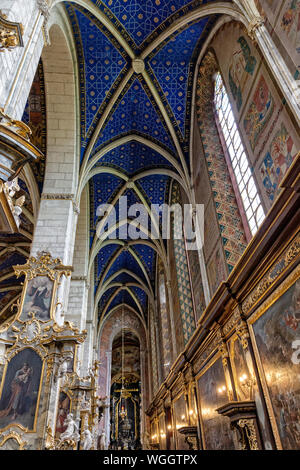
x=135, y=91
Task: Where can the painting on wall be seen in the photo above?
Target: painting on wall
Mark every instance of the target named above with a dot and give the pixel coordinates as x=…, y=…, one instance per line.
x=240, y=369
x=259, y=112
x=277, y=161
x=38, y=298
x=181, y=421
x=64, y=405
x=20, y=389
x=290, y=23
x=241, y=67
x=276, y=333
x=216, y=428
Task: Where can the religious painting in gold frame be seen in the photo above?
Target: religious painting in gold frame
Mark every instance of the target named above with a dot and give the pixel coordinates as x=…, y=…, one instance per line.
x=20, y=390
x=274, y=330
x=42, y=276
x=38, y=298
x=211, y=390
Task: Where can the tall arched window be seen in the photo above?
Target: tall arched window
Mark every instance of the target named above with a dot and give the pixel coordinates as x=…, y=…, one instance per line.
x=245, y=182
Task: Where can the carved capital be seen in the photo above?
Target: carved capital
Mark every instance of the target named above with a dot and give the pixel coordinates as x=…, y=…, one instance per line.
x=254, y=24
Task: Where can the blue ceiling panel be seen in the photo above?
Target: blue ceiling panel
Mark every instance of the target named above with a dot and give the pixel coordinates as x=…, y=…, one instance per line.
x=139, y=20
x=105, y=298
x=141, y=296
x=133, y=157
x=135, y=113
x=155, y=188
x=147, y=256
x=171, y=68
x=123, y=297
x=103, y=63
x=126, y=261
x=104, y=256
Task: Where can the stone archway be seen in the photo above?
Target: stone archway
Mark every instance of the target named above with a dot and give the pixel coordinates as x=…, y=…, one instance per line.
x=112, y=326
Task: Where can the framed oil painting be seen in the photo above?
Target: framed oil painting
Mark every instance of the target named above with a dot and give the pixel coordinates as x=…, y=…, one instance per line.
x=181, y=420
x=38, y=299
x=275, y=330
x=20, y=390
x=216, y=428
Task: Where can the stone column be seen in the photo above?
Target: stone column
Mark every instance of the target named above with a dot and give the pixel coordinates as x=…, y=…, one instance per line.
x=18, y=66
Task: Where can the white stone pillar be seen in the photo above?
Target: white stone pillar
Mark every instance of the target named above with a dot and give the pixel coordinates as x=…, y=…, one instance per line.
x=18, y=66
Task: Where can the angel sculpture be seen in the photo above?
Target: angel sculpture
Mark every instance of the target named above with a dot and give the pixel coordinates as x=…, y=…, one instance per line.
x=87, y=440
x=72, y=429
x=102, y=442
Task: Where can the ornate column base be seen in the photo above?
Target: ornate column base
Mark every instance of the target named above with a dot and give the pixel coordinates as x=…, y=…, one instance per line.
x=243, y=419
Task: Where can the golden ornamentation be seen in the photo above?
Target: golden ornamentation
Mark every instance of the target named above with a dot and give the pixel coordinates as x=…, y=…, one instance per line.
x=5, y=436
x=44, y=265
x=249, y=426
x=55, y=444
x=50, y=366
x=230, y=324
x=30, y=332
x=243, y=333
x=289, y=255
x=10, y=34
x=18, y=127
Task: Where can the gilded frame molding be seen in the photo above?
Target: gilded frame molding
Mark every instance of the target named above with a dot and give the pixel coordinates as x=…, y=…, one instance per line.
x=11, y=354
x=271, y=300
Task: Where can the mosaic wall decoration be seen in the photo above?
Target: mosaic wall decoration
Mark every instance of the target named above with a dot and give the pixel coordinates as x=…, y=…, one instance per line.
x=228, y=215
x=278, y=159
x=182, y=271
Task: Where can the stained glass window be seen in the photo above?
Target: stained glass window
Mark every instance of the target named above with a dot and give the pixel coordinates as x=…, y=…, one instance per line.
x=240, y=164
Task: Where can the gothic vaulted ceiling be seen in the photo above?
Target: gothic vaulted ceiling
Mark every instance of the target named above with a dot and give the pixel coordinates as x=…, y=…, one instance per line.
x=136, y=67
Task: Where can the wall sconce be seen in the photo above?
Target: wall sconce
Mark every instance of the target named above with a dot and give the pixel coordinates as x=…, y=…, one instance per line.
x=247, y=384
x=222, y=390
